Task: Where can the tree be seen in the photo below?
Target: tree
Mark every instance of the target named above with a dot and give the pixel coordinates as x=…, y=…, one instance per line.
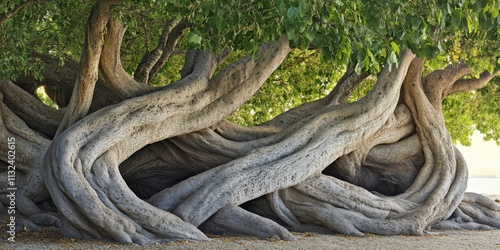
x=125, y=160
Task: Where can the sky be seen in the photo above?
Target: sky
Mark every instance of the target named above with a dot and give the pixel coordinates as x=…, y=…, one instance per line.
x=483, y=158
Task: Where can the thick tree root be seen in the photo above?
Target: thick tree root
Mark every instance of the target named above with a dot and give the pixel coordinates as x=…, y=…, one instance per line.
x=233, y=220
x=28, y=151
x=82, y=167
x=474, y=212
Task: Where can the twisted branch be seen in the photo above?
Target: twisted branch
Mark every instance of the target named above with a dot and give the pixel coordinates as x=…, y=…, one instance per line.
x=81, y=98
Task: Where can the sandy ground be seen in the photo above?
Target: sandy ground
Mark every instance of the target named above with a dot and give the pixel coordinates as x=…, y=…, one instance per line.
x=51, y=239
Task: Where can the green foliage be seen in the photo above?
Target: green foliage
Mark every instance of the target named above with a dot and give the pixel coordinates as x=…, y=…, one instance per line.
x=303, y=77
x=40, y=92
x=55, y=28
x=362, y=89
x=170, y=72
x=477, y=110
x=486, y=119
x=458, y=111
x=368, y=33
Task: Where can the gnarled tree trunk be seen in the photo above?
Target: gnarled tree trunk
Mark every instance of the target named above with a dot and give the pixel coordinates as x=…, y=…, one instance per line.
x=155, y=165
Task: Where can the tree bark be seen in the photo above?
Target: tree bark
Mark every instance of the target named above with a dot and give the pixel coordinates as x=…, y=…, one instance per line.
x=193, y=103
x=81, y=98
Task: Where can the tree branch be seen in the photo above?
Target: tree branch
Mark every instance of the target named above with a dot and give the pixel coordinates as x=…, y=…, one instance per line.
x=150, y=58
x=111, y=67
x=346, y=85
x=61, y=80
x=466, y=85
x=37, y=115
x=81, y=98
x=31, y=188
x=58, y=80
x=437, y=83
x=154, y=60
x=189, y=62
x=173, y=37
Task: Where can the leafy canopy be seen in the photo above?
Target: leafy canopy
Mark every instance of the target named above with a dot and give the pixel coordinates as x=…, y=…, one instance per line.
x=368, y=34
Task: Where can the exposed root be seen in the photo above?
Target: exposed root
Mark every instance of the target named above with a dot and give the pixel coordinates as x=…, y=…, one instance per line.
x=233, y=220
x=82, y=171
x=474, y=212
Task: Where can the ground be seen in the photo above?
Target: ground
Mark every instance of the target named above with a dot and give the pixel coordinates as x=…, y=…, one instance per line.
x=51, y=239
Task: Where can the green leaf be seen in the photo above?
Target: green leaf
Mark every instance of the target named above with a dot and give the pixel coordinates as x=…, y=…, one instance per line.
x=415, y=22
x=194, y=39
x=282, y=8
x=292, y=12
x=440, y=47
x=303, y=8
x=394, y=47
x=494, y=12
x=469, y=24
x=292, y=35
x=246, y=45
x=393, y=58
x=359, y=68
x=455, y=19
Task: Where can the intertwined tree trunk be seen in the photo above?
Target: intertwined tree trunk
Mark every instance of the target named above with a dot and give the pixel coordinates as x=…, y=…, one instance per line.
x=133, y=163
